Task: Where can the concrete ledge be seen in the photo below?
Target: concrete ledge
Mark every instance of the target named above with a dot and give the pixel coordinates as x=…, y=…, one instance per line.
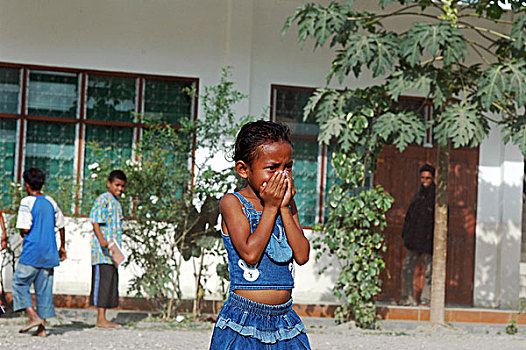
x=386, y=312
x=468, y=315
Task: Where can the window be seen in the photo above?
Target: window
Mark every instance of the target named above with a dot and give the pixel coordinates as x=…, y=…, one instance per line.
x=8, y=132
x=53, y=94
x=425, y=109
x=165, y=99
x=48, y=116
x=311, y=172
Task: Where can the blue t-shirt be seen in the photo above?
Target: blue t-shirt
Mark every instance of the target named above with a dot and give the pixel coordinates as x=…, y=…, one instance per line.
x=39, y=215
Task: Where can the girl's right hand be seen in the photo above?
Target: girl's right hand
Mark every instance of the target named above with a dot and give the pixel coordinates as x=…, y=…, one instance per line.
x=272, y=193
x=290, y=190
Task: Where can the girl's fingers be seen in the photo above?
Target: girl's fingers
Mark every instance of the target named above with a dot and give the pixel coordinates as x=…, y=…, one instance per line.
x=271, y=184
x=276, y=183
x=293, y=188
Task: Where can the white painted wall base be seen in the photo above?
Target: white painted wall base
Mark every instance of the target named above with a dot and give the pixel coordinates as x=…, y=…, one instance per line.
x=73, y=276
x=522, y=292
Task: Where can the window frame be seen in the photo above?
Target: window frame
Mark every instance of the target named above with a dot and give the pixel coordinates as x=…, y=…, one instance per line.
x=322, y=151
x=80, y=120
x=427, y=114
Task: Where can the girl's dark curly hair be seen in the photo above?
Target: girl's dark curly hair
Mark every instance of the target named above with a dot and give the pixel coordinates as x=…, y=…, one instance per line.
x=255, y=134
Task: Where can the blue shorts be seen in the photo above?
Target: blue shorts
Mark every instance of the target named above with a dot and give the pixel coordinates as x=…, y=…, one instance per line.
x=246, y=325
x=25, y=276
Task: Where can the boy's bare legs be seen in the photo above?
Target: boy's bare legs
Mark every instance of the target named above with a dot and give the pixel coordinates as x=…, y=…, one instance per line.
x=102, y=322
x=34, y=320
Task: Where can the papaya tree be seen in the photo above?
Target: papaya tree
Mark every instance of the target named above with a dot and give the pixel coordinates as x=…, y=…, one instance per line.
x=466, y=58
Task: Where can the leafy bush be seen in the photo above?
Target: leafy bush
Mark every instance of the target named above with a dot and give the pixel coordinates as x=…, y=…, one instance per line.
x=353, y=235
x=511, y=327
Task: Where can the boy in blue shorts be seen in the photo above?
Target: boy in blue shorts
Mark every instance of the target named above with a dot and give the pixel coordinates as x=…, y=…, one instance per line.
x=106, y=217
x=38, y=216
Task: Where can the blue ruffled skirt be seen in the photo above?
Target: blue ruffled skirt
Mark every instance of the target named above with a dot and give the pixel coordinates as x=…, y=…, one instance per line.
x=246, y=325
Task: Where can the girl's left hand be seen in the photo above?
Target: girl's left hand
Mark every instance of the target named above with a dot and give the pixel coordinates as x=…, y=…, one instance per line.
x=290, y=192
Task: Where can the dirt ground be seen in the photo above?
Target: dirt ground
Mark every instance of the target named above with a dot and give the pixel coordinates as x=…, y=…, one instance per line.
x=73, y=329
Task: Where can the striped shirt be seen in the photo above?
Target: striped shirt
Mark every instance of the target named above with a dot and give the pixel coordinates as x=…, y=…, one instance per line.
x=107, y=212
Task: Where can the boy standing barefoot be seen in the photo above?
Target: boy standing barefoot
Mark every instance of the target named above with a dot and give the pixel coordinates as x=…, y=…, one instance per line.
x=38, y=216
x=106, y=217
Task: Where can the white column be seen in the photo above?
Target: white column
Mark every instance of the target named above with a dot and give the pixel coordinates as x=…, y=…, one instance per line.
x=498, y=230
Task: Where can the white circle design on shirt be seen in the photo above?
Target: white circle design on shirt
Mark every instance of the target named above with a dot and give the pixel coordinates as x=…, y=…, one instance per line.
x=291, y=269
x=250, y=273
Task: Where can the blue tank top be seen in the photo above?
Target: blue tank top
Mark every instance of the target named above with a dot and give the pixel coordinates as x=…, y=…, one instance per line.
x=275, y=270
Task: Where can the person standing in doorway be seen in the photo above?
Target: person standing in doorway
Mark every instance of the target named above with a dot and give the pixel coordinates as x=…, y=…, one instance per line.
x=417, y=234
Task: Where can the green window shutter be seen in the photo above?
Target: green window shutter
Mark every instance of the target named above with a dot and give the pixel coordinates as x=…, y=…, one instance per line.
x=288, y=108
x=53, y=94
x=168, y=99
x=7, y=159
x=305, y=173
x=118, y=142
x=51, y=148
x=110, y=98
x=9, y=90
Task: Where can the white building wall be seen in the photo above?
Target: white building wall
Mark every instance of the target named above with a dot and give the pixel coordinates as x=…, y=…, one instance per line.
x=178, y=38
x=196, y=39
x=498, y=230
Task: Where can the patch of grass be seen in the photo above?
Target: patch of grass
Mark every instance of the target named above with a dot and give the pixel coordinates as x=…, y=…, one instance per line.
x=399, y=334
x=130, y=323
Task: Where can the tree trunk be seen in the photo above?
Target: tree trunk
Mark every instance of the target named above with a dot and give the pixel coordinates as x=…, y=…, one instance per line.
x=438, y=285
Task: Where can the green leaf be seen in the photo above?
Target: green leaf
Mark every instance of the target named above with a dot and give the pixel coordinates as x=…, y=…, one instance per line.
x=492, y=86
x=517, y=80
x=515, y=132
x=500, y=81
x=385, y=53
x=406, y=80
x=317, y=22
x=331, y=128
x=411, y=50
x=438, y=39
x=376, y=51
x=455, y=49
x=400, y=129
x=463, y=124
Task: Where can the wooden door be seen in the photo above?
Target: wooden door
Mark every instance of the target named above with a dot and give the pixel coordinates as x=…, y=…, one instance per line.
x=398, y=174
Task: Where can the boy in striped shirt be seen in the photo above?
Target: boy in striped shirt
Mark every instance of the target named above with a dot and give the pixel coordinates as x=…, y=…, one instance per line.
x=106, y=217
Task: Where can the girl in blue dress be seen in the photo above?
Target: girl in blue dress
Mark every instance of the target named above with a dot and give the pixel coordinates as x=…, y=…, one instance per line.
x=263, y=237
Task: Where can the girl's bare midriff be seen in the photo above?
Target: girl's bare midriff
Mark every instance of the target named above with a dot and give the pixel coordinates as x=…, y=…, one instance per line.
x=266, y=296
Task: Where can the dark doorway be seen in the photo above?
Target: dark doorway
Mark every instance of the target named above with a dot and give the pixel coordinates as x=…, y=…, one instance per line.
x=398, y=174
